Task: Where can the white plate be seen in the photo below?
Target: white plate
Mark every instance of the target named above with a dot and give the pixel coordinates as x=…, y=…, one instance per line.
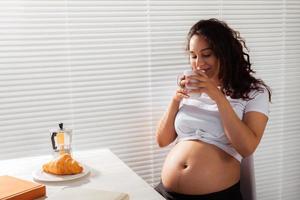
x=40, y=175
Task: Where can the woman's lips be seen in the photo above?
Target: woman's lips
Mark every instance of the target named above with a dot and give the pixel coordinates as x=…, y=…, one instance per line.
x=203, y=70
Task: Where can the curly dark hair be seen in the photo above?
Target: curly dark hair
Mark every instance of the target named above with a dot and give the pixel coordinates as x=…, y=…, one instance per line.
x=235, y=73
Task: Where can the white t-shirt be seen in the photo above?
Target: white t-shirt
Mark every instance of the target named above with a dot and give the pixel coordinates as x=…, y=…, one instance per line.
x=199, y=119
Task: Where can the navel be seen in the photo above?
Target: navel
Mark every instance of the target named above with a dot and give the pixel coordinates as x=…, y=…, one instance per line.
x=185, y=166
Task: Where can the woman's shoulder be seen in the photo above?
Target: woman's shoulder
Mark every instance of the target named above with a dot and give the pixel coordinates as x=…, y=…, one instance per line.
x=261, y=90
x=254, y=93
x=258, y=100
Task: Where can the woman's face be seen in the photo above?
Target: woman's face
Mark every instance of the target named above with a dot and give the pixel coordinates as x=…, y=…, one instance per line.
x=203, y=58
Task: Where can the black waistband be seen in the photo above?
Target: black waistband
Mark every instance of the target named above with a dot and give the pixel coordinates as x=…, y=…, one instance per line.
x=231, y=193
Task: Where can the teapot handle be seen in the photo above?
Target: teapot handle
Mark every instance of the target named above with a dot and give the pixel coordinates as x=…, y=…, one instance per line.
x=52, y=140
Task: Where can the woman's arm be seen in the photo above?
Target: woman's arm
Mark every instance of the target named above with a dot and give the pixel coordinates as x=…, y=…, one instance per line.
x=245, y=134
x=165, y=133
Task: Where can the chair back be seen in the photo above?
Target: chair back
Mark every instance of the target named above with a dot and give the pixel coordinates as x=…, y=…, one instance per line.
x=248, y=187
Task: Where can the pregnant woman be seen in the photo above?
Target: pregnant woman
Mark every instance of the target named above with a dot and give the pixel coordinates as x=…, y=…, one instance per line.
x=216, y=118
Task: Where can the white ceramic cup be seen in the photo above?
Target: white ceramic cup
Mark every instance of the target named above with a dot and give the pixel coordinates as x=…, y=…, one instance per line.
x=192, y=95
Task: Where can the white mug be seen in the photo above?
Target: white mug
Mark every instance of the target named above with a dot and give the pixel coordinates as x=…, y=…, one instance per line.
x=192, y=95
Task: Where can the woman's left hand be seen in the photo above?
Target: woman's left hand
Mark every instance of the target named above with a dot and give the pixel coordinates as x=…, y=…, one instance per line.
x=203, y=84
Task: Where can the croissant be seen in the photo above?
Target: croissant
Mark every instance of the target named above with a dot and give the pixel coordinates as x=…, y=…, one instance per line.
x=63, y=165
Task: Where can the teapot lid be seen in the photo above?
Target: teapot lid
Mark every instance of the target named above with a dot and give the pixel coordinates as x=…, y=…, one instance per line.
x=61, y=126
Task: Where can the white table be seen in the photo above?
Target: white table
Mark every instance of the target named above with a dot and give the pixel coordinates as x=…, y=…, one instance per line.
x=108, y=172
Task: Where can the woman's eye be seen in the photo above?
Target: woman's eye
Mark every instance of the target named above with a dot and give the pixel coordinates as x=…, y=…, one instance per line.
x=206, y=55
x=193, y=56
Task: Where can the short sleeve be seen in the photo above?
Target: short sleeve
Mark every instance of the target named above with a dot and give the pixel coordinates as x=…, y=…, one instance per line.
x=259, y=102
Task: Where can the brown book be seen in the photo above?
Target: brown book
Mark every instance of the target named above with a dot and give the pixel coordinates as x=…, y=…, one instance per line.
x=12, y=188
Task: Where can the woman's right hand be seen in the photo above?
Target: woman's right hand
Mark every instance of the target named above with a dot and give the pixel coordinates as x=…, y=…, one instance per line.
x=181, y=91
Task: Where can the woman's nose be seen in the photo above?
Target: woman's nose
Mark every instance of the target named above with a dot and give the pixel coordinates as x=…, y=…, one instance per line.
x=199, y=62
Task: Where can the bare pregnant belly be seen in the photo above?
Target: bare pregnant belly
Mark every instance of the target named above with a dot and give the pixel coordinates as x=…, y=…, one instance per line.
x=195, y=167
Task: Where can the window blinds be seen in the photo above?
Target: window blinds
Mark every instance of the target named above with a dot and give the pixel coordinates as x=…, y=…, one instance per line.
x=108, y=70
x=84, y=63
x=290, y=174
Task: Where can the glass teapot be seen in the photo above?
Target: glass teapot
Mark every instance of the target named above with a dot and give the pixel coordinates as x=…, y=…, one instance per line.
x=61, y=140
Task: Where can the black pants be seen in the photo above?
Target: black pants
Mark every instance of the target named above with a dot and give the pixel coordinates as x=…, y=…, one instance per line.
x=231, y=193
